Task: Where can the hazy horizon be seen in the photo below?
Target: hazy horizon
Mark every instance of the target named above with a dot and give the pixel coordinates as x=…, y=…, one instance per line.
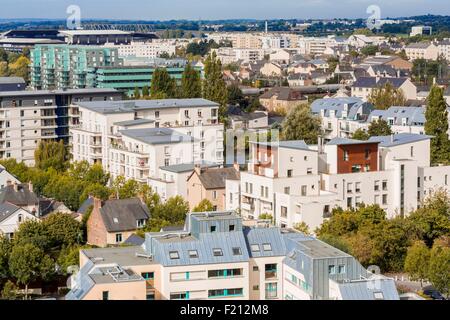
x=218, y=10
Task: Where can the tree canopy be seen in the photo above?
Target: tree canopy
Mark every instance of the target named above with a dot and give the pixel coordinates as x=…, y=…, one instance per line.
x=387, y=96
x=301, y=124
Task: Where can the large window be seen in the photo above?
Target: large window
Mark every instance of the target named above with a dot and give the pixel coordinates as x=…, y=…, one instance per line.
x=179, y=296
x=225, y=293
x=270, y=271
x=223, y=273
x=105, y=295
x=148, y=275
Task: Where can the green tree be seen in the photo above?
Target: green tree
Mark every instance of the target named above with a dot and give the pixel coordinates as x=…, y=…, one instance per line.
x=436, y=125
x=370, y=50
x=145, y=92
x=163, y=86
x=51, y=154
x=191, y=84
x=335, y=241
x=214, y=86
x=439, y=271
x=63, y=229
x=19, y=68
x=174, y=210
x=69, y=256
x=301, y=124
x=204, y=206
x=235, y=95
x=125, y=189
x=28, y=263
x=265, y=216
x=9, y=291
x=379, y=128
x=149, y=197
x=5, y=251
x=417, y=262
x=32, y=232
x=387, y=96
x=360, y=134
x=137, y=93
x=303, y=228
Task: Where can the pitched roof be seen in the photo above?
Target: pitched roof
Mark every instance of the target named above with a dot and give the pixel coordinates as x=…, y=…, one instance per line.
x=283, y=93
x=215, y=178
x=374, y=82
x=338, y=105
x=6, y=210
x=414, y=116
x=419, y=45
x=135, y=240
x=122, y=215
x=22, y=197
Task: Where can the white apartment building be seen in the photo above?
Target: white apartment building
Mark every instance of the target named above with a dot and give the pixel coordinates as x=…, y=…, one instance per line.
x=422, y=50
x=218, y=257
x=297, y=183
x=444, y=49
x=149, y=50
x=28, y=117
x=136, y=138
x=231, y=55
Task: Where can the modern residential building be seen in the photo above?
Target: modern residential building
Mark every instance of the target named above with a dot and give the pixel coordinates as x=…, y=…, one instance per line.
x=143, y=49
x=28, y=117
x=297, y=183
x=111, y=222
x=67, y=66
x=217, y=257
x=136, y=138
x=209, y=184
x=444, y=49
x=421, y=30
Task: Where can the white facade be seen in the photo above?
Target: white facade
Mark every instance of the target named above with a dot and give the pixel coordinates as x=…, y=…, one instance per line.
x=143, y=49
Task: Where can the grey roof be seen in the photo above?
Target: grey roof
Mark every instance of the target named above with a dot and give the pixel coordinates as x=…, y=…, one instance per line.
x=418, y=45
x=365, y=290
x=188, y=167
x=415, y=116
x=172, y=228
x=374, y=82
x=122, y=215
x=249, y=116
x=399, y=139
x=11, y=80
x=262, y=236
x=292, y=144
x=135, y=122
x=346, y=141
x=111, y=107
x=22, y=197
x=134, y=240
x=384, y=69
x=356, y=106
x=6, y=210
x=89, y=202
x=215, y=178
x=157, y=135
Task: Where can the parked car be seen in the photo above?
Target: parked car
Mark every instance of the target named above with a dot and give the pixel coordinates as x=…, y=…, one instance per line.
x=433, y=294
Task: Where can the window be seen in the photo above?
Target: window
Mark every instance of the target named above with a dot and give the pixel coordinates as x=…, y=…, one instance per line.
x=255, y=268
x=270, y=271
x=148, y=275
x=287, y=190
x=289, y=173
x=349, y=202
x=118, y=237
x=217, y=252
x=377, y=186
x=157, y=114
x=304, y=190
x=235, y=292
x=349, y=187
x=412, y=151
x=237, y=252
x=385, y=196
x=213, y=229
x=174, y=255
x=378, y=296
x=356, y=168
x=254, y=248
x=309, y=171
x=267, y=247
x=231, y=227
x=283, y=212
x=341, y=269
x=140, y=223
x=345, y=155
x=256, y=288
x=332, y=269
x=105, y=295
x=186, y=113
x=367, y=154
x=214, y=195
x=20, y=218
x=150, y=296
x=179, y=296
x=385, y=185
x=193, y=254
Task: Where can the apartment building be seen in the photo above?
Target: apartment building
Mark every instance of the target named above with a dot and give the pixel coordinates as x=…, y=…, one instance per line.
x=444, y=49
x=66, y=66
x=28, y=117
x=217, y=257
x=341, y=116
x=136, y=138
x=96, y=37
x=295, y=183
x=364, y=86
x=143, y=49
x=422, y=50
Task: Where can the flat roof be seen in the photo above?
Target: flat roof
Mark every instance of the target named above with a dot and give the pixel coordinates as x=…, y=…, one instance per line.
x=188, y=167
x=53, y=92
x=157, y=135
x=135, y=122
x=93, y=32
x=124, y=256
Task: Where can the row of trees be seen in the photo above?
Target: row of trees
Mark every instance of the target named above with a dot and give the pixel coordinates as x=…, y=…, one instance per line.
x=391, y=244
x=213, y=87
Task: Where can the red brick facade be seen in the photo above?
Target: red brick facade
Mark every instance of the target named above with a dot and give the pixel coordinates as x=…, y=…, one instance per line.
x=354, y=156
x=96, y=230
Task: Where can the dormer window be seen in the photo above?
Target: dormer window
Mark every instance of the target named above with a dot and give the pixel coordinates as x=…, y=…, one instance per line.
x=217, y=252
x=254, y=248
x=140, y=223
x=237, y=251
x=174, y=255
x=213, y=229
x=193, y=254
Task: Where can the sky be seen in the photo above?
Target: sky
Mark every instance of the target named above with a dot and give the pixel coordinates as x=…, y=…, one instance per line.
x=218, y=9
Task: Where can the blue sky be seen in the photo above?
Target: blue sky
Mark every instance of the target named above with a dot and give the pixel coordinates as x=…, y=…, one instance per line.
x=218, y=9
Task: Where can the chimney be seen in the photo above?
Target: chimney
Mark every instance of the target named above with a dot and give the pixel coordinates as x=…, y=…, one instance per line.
x=237, y=167
x=16, y=186
x=198, y=169
x=30, y=186
x=97, y=203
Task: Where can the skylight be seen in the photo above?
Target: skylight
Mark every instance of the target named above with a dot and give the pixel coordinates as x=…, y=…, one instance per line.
x=267, y=247
x=237, y=251
x=217, y=252
x=116, y=220
x=254, y=247
x=193, y=254
x=174, y=255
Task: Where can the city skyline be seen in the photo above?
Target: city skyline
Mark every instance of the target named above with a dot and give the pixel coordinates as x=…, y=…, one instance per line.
x=214, y=10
